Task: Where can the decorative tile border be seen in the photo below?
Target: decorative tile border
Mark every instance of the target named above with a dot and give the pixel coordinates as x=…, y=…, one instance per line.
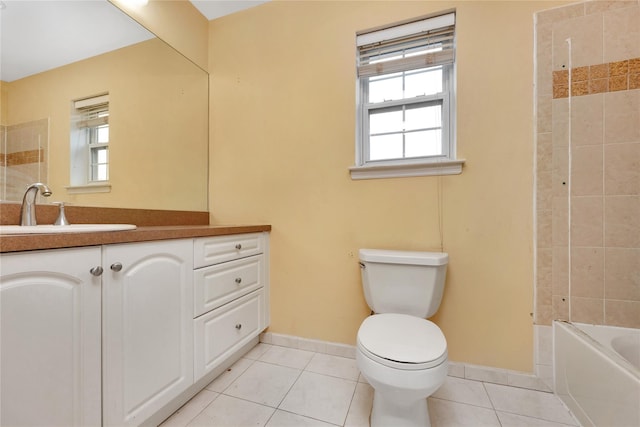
x=22, y=157
x=456, y=369
x=600, y=78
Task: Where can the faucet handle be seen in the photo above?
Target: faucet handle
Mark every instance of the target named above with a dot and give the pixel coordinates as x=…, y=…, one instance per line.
x=62, y=219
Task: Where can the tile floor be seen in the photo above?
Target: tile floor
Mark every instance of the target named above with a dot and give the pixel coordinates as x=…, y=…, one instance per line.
x=281, y=386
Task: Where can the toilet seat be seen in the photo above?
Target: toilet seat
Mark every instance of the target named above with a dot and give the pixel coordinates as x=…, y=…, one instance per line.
x=402, y=342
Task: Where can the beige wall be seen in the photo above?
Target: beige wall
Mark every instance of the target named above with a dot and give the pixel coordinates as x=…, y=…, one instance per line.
x=282, y=140
x=158, y=129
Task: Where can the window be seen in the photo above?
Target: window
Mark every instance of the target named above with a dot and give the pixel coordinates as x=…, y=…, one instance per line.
x=406, y=100
x=90, y=144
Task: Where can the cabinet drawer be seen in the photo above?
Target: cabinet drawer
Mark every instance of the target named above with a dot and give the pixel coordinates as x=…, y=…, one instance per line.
x=222, y=331
x=221, y=283
x=214, y=250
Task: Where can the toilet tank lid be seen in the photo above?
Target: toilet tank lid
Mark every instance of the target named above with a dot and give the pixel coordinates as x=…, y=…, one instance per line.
x=404, y=257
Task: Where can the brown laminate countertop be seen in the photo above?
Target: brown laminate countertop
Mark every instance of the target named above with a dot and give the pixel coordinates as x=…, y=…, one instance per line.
x=29, y=242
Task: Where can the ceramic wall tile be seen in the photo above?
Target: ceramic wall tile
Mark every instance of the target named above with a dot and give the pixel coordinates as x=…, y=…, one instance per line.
x=544, y=191
x=622, y=117
x=587, y=272
x=587, y=221
x=543, y=113
x=622, y=169
x=560, y=307
x=587, y=170
x=544, y=229
x=622, y=221
x=622, y=274
x=622, y=313
x=587, y=310
x=587, y=123
x=551, y=16
x=560, y=170
x=560, y=271
x=577, y=42
x=560, y=222
x=621, y=33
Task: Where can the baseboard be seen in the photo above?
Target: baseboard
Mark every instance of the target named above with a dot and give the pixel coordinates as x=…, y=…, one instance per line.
x=456, y=369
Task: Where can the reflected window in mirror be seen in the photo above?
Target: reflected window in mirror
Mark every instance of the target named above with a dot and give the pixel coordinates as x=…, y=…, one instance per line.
x=90, y=144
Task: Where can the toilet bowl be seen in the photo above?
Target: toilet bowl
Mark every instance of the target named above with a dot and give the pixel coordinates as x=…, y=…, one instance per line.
x=402, y=355
x=404, y=359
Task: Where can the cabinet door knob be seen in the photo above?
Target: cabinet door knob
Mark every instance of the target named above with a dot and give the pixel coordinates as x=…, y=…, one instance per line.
x=238, y=246
x=238, y=280
x=239, y=326
x=96, y=271
x=116, y=266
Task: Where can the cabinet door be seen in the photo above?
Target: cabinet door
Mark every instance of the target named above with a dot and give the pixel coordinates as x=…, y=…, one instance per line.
x=224, y=330
x=147, y=328
x=50, y=338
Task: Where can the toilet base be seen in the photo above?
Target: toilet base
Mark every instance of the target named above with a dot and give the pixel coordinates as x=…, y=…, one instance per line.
x=388, y=412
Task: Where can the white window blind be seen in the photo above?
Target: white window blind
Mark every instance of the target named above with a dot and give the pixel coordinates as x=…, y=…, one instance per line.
x=411, y=46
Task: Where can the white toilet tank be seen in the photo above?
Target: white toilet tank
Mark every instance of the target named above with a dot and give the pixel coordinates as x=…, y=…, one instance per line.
x=403, y=282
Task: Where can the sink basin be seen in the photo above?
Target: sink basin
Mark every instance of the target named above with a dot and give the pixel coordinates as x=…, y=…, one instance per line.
x=73, y=228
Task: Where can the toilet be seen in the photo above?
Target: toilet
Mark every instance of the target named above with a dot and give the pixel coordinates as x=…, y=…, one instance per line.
x=402, y=355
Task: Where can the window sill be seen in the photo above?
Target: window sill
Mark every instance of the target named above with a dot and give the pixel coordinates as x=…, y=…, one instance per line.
x=406, y=169
x=102, y=187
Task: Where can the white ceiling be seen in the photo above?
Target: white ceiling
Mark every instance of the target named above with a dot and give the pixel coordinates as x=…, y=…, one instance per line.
x=213, y=9
x=36, y=36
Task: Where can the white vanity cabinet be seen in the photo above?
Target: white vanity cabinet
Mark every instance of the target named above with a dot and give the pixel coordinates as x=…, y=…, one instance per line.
x=50, y=351
x=124, y=334
x=230, y=296
x=147, y=328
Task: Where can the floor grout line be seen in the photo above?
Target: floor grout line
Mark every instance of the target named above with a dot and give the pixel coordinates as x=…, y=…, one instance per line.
x=352, y=396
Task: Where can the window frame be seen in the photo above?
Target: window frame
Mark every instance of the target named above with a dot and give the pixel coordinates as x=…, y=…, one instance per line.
x=84, y=143
x=443, y=164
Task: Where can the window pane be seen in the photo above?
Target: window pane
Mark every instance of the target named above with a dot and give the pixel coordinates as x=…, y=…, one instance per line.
x=426, y=143
x=423, y=117
x=423, y=82
x=385, y=147
x=407, y=84
x=385, y=121
x=103, y=134
x=99, y=155
x=385, y=88
x=99, y=164
x=99, y=172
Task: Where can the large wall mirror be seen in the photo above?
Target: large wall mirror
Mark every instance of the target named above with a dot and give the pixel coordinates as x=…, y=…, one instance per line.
x=157, y=102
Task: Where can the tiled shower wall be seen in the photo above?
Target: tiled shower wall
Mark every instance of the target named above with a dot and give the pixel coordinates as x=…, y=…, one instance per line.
x=23, y=157
x=588, y=163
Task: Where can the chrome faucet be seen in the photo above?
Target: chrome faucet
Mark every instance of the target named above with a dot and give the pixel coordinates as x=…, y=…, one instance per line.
x=28, y=209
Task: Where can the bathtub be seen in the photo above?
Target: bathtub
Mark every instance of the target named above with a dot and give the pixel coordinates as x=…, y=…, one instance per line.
x=597, y=373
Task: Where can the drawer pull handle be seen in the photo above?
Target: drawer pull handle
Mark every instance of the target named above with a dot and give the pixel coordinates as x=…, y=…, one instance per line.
x=239, y=326
x=238, y=280
x=238, y=246
x=96, y=271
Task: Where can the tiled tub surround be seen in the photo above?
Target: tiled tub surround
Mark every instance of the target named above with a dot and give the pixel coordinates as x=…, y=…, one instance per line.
x=23, y=157
x=588, y=164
